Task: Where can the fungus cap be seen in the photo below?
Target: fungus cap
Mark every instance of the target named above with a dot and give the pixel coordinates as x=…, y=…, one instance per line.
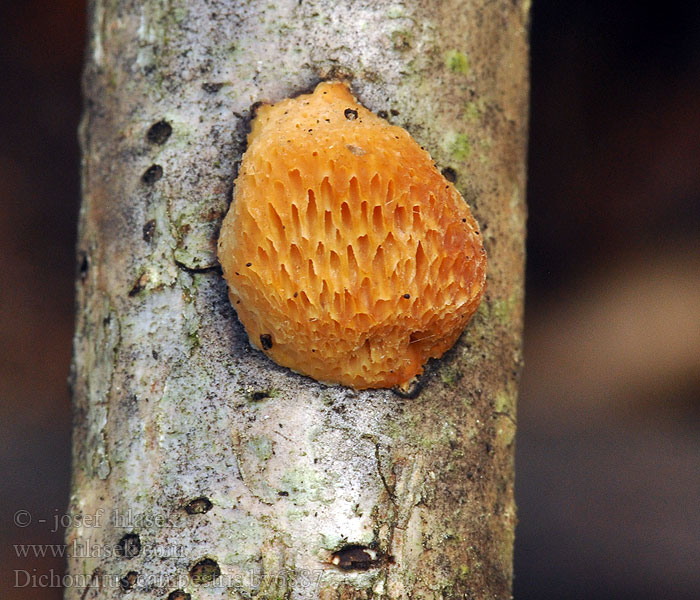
x=349, y=257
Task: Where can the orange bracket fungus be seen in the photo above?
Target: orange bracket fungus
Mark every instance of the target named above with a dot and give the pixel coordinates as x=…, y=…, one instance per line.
x=349, y=257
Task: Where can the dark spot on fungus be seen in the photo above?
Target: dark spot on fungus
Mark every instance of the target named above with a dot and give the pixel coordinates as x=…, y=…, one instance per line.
x=249, y=264
x=266, y=341
x=159, y=132
x=128, y=582
x=212, y=88
x=350, y=114
x=83, y=265
x=464, y=220
x=148, y=230
x=152, y=174
x=260, y=395
x=204, y=571
x=356, y=558
x=129, y=545
x=407, y=296
x=450, y=174
x=179, y=595
x=198, y=506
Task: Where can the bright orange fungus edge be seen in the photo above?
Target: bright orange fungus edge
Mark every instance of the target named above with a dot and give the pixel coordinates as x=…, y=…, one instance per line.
x=349, y=257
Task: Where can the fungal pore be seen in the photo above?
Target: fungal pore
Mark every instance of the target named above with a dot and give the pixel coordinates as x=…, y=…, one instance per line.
x=349, y=257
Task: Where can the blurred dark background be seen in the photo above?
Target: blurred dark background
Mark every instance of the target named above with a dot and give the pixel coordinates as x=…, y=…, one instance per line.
x=608, y=450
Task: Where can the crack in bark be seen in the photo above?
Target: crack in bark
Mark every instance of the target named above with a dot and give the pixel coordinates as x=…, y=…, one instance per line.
x=389, y=491
x=193, y=270
x=510, y=417
x=95, y=576
x=242, y=474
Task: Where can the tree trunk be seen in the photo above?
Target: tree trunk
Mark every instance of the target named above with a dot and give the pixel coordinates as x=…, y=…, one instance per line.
x=195, y=457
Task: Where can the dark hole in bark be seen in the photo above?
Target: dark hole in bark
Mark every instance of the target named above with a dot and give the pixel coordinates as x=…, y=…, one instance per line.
x=212, y=88
x=383, y=114
x=138, y=286
x=198, y=506
x=450, y=174
x=204, y=571
x=282, y=493
x=394, y=112
x=152, y=174
x=355, y=557
x=159, y=132
x=414, y=388
x=179, y=595
x=129, y=546
x=148, y=230
x=260, y=395
x=128, y=582
x=254, y=112
x=83, y=265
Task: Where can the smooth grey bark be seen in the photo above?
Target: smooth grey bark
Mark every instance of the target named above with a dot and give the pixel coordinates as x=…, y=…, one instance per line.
x=194, y=455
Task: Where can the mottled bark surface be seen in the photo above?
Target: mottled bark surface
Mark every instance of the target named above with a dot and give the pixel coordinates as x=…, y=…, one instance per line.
x=214, y=460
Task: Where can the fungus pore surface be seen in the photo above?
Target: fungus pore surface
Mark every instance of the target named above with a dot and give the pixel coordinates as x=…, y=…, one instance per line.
x=349, y=257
